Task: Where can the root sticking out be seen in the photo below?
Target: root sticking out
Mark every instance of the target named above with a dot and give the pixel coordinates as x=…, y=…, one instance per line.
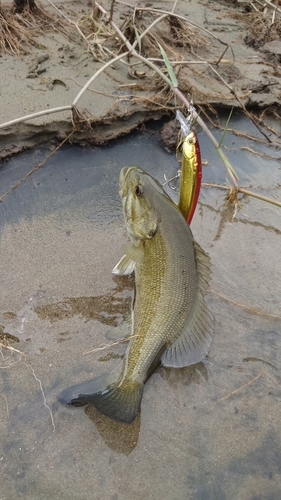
x=20, y=25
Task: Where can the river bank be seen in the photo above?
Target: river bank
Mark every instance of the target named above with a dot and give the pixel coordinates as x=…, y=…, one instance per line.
x=222, y=55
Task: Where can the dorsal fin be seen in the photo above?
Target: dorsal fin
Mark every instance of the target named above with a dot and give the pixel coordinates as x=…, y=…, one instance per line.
x=194, y=341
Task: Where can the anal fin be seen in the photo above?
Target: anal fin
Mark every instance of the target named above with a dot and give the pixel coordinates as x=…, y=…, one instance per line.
x=195, y=339
x=192, y=344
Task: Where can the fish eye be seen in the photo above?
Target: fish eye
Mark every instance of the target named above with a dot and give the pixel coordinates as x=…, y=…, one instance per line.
x=138, y=190
x=190, y=141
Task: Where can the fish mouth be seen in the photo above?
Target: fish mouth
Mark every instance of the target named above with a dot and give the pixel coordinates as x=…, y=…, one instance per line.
x=125, y=171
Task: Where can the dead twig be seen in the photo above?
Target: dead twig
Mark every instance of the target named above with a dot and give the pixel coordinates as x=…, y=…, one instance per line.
x=39, y=165
x=22, y=355
x=35, y=115
x=245, y=306
x=170, y=13
x=43, y=394
x=239, y=389
x=238, y=98
x=105, y=346
x=270, y=4
x=262, y=155
x=240, y=133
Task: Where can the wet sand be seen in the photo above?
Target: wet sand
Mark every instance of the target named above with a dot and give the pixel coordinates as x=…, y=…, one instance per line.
x=211, y=431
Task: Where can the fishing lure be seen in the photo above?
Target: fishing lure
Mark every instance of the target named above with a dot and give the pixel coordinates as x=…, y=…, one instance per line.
x=191, y=168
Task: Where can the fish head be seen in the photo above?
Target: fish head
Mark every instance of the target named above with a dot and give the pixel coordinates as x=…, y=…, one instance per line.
x=138, y=191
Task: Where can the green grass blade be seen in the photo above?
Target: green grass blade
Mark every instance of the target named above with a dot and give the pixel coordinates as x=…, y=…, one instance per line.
x=226, y=125
x=169, y=67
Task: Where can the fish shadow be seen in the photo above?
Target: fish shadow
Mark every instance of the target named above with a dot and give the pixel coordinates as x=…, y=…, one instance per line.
x=184, y=376
x=121, y=438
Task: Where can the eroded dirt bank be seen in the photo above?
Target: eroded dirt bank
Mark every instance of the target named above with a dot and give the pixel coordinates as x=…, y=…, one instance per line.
x=223, y=54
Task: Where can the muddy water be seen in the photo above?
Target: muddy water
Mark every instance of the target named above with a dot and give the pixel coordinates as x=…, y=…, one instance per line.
x=211, y=431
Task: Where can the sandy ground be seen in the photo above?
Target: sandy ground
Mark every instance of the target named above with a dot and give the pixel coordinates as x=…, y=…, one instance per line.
x=56, y=67
x=211, y=431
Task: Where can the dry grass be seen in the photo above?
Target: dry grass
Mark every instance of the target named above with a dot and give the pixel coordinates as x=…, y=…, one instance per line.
x=95, y=33
x=15, y=37
x=18, y=31
x=175, y=36
x=264, y=24
x=178, y=38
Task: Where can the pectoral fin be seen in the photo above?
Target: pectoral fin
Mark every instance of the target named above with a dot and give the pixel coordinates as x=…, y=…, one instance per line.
x=135, y=252
x=125, y=266
x=192, y=345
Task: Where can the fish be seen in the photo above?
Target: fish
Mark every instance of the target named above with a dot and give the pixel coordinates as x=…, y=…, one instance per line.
x=171, y=323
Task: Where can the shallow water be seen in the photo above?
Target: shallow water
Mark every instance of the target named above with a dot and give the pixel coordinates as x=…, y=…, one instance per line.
x=211, y=431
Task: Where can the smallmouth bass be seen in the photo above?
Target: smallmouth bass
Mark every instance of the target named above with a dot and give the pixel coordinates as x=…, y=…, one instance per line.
x=170, y=319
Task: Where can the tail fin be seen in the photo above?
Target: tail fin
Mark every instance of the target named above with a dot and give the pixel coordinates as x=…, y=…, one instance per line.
x=119, y=402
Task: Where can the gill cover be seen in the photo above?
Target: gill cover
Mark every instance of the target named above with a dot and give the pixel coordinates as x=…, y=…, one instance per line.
x=140, y=215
